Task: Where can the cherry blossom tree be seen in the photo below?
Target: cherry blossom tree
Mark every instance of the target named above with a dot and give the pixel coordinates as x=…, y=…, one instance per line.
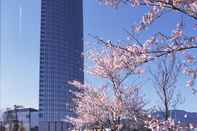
x=116, y=104
x=161, y=44
x=117, y=99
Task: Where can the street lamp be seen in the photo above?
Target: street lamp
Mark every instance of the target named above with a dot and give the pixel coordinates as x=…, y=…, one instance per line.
x=185, y=116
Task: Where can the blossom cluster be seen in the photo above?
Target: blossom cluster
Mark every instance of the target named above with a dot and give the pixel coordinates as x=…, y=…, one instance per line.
x=188, y=7
x=96, y=107
x=115, y=60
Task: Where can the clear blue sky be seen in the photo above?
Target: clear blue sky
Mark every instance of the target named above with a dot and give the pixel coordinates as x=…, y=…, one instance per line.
x=20, y=46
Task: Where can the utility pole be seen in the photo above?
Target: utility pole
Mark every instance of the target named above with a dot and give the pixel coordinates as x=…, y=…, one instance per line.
x=16, y=122
x=29, y=119
x=16, y=126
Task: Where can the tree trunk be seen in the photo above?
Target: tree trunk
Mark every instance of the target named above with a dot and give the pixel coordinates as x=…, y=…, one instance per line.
x=166, y=105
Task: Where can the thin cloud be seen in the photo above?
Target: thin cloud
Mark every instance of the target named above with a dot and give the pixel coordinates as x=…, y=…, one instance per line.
x=20, y=18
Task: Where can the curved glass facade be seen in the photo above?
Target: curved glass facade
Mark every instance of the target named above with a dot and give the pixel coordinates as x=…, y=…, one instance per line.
x=61, y=46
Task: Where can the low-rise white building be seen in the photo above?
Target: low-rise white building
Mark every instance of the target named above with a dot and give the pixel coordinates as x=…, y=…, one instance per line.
x=25, y=117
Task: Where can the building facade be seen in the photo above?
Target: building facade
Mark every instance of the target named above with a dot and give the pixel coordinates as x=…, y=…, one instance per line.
x=26, y=118
x=61, y=45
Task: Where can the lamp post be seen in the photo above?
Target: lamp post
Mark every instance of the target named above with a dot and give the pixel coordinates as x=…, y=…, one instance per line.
x=185, y=116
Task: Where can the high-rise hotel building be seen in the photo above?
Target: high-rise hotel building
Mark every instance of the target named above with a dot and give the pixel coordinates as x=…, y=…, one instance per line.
x=61, y=45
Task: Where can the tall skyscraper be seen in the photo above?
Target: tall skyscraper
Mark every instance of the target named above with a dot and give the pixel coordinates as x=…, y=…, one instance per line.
x=60, y=60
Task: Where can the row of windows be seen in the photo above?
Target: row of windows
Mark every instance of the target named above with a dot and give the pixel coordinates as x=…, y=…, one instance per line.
x=61, y=50
x=54, y=43
x=60, y=38
x=53, y=107
x=54, y=79
x=57, y=107
x=50, y=116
